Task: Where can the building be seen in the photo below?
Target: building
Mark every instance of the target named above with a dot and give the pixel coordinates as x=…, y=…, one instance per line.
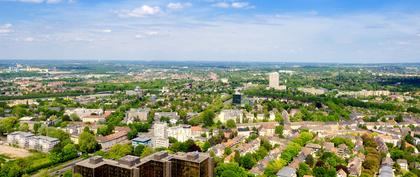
x=181, y=132
x=160, y=135
x=237, y=99
x=341, y=173
x=273, y=80
x=160, y=164
x=287, y=172
x=30, y=141
x=136, y=115
x=141, y=140
x=119, y=135
x=231, y=114
x=403, y=164
x=386, y=171
x=172, y=116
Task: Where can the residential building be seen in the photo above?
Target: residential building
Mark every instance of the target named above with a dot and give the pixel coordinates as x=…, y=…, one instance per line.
x=237, y=99
x=136, y=115
x=287, y=172
x=160, y=135
x=386, y=171
x=403, y=164
x=273, y=81
x=180, y=132
x=231, y=114
x=30, y=141
x=146, y=141
x=119, y=135
x=341, y=173
x=160, y=164
x=172, y=116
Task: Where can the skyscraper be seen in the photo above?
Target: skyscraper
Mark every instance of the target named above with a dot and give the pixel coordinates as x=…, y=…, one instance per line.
x=273, y=80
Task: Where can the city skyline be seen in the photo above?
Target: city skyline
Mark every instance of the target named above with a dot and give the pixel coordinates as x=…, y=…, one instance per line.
x=321, y=31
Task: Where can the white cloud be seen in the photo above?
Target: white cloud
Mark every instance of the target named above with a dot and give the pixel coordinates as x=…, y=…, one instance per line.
x=178, y=5
x=142, y=11
x=234, y=5
x=53, y=1
x=106, y=30
x=222, y=5
x=6, y=28
x=45, y=1
x=28, y=39
x=240, y=5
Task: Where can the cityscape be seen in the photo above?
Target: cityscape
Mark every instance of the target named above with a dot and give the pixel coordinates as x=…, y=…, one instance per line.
x=209, y=88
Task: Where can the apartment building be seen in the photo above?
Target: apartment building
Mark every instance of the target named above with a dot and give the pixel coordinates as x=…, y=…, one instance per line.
x=30, y=141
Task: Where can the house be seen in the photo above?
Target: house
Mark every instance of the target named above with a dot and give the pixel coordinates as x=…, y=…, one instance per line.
x=146, y=141
x=250, y=147
x=355, y=166
x=30, y=141
x=136, y=115
x=231, y=114
x=341, y=173
x=172, y=116
x=244, y=131
x=267, y=129
x=314, y=147
x=328, y=146
x=119, y=135
x=386, y=171
x=343, y=151
x=403, y=164
x=287, y=172
x=218, y=149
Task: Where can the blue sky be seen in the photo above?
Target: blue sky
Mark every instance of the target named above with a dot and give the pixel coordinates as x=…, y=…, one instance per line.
x=366, y=31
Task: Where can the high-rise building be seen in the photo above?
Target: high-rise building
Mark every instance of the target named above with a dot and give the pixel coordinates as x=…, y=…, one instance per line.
x=160, y=130
x=273, y=80
x=160, y=164
x=237, y=98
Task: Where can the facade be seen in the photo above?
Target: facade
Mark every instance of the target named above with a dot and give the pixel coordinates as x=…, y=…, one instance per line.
x=30, y=141
x=237, y=99
x=141, y=140
x=287, y=172
x=136, y=115
x=181, y=132
x=118, y=136
x=273, y=80
x=160, y=135
x=159, y=164
x=231, y=114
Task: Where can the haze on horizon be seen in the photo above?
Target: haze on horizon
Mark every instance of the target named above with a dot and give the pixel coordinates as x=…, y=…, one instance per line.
x=376, y=31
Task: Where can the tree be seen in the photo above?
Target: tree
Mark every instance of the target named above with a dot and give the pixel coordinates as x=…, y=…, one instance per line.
x=69, y=152
x=138, y=150
x=147, y=151
x=230, y=170
x=8, y=124
x=207, y=117
x=230, y=123
x=279, y=130
x=117, y=151
x=304, y=169
x=87, y=142
x=399, y=118
x=310, y=160
x=24, y=127
x=247, y=161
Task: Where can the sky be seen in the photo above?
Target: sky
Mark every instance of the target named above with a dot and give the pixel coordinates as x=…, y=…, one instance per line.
x=340, y=31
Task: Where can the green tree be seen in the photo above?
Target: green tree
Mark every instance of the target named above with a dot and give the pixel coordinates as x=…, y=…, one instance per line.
x=247, y=161
x=230, y=170
x=304, y=169
x=87, y=142
x=24, y=127
x=138, y=150
x=8, y=124
x=207, y=116
x=230, y=123
x=279, y=130
x=117, y=151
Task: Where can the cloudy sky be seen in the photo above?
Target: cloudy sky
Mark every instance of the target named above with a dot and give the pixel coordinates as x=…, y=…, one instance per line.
x=364, y=31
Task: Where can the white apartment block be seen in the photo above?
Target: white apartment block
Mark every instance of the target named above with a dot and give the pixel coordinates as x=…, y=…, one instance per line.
x=231, y=114
x=136, y=115
x=30, y=141
x=181, y=132
x=273, y=80
x=160, y=130
x=83, y=112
